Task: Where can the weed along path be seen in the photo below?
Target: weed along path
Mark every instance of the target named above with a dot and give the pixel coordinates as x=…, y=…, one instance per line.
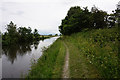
x=66, y=65
x=79, y=66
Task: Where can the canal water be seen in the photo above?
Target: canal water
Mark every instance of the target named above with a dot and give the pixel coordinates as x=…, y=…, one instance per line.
x=16, y=60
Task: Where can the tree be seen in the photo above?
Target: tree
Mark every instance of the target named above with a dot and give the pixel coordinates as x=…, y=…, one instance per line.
x=99, y=18
x=11, y=28
x=56, y=34
x=16, y=35
x=111, y=20
x=12, y=33
x=70, y=23
x=117, y=16
x=36, y=35
x=25, y=34
x=76, y=20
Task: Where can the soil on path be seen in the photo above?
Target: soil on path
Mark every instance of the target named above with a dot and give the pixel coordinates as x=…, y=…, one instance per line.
x=66, y=65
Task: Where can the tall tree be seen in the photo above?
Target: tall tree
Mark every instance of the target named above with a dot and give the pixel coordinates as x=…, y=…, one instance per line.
x=76, y=20
x=12, y=32
x=36, y=34
x=99, y=18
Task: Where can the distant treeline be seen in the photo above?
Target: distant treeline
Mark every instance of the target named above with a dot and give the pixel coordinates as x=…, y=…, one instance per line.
x=15, y=35
x=78, y=19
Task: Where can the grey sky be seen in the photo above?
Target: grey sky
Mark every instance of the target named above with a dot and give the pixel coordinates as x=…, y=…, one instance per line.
x=45, y=15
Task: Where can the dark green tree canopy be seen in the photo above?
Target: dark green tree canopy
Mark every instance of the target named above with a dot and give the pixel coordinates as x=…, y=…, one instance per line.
x=11, y=28
x=78, y=19
x=15, y=35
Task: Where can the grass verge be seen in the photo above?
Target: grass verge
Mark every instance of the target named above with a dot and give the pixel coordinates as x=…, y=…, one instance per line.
x=94, y=54
x=51, y=62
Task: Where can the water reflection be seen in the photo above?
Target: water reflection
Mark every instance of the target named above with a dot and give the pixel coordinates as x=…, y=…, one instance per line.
x=36, y=44
x=16, y=59
x=19, y=49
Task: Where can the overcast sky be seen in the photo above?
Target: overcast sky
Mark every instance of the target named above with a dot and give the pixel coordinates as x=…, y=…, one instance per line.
x=45, y=15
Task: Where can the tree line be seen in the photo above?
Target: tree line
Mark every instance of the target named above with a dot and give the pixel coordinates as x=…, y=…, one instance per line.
x=15, y=35
x=79, y=19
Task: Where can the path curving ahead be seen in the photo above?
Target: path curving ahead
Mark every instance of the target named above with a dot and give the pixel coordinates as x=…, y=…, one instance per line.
x=66, y=65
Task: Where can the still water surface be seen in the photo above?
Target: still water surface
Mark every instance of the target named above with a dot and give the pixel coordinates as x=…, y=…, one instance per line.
x=16, y=60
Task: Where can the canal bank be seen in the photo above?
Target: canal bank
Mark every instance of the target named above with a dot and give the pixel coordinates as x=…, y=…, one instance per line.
x=51, y=63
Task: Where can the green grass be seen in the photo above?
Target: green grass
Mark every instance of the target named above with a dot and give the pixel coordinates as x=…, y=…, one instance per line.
x=79, y=65
x=94, y=54
x=51, y=62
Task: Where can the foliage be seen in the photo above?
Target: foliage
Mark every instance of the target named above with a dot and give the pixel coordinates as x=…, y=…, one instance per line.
x=78, y=19
x=36, y=35
x=25, y=34
x=99, y=18
x=15, y=35
x=96, y=47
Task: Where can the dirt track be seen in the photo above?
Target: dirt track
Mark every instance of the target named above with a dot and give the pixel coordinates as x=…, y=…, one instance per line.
x=66, y=65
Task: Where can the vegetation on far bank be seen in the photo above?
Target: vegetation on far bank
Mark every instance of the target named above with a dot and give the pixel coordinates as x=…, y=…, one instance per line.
x=50, y=64
x=15, y=35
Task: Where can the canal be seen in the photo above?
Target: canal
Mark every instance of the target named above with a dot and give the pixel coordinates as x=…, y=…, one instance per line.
x=17, y=59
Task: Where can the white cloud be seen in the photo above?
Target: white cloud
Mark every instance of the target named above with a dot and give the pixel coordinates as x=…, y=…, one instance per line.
x=43, y=1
